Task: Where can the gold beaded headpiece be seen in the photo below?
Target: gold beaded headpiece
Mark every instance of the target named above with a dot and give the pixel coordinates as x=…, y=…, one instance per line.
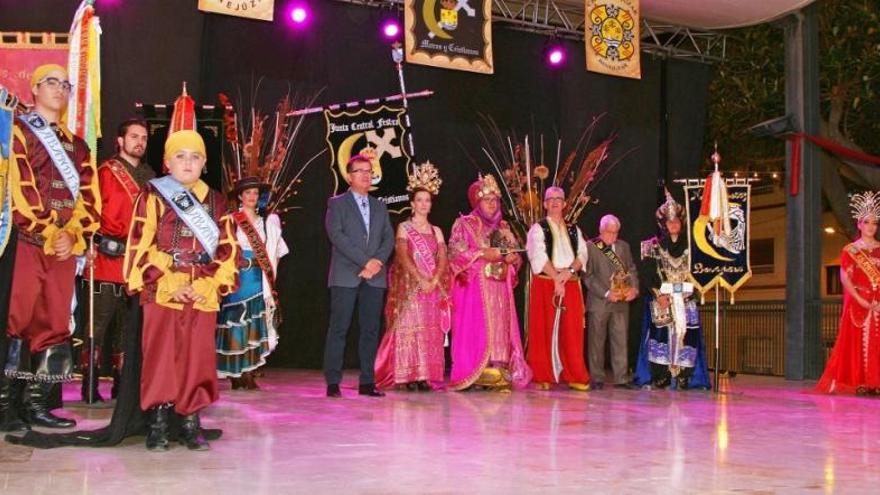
x=425, y=176
x=864, y=205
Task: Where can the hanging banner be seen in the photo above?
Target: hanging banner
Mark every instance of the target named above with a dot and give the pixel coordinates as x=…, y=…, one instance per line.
x=612, y=30
x=21, y=53
x=450, y=34
x=719, y=258
x=377, y=133
x=251, y=9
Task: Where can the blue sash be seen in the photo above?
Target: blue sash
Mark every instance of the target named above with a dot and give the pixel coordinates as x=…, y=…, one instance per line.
x=190, y=211
x=6, y=119
x=62, y=161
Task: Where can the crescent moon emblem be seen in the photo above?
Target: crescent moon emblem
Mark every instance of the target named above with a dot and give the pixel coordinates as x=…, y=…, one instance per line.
x=345, y=154
x=700, y=239
x=431, y=20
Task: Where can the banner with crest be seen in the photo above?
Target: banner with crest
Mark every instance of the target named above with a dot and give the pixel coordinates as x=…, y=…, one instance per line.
x=252, y=9
x=451, y=34
x=717, y=256
x=378, y=133
x=612, y=37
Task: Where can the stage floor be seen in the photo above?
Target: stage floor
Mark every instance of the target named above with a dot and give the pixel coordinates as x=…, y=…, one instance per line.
x=764, y=435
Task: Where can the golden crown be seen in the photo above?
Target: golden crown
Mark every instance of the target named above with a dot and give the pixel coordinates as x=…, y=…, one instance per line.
x=425, y=176
x=488, y=185
x=369, y=152
x=866, y=204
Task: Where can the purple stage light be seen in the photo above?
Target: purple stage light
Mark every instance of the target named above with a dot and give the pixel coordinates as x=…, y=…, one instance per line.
x=556, y=56
x=299, y=13
x=391, y=29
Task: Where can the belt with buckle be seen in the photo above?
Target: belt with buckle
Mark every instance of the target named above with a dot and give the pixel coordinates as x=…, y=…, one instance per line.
x=184, y=258
x=113, y=247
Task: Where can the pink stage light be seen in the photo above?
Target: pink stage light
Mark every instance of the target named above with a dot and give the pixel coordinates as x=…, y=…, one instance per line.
x=556, y=56
x=299, y=13
x=391, y=29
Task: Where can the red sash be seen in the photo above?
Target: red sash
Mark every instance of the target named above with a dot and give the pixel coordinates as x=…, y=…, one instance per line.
x=257, y=245
x=119, y=171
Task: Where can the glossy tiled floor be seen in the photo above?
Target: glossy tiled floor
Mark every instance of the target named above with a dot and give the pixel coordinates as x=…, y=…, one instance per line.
x=763, y=436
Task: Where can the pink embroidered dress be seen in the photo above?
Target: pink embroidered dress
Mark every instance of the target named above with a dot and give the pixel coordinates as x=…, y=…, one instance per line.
x=416, y=322
x=486, y=347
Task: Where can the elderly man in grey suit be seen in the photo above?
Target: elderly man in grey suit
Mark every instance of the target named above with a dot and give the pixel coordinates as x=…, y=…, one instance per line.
x=607, y=302
x=360, y=233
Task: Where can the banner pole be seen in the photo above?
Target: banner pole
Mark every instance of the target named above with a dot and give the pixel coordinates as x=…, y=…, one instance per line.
x=717, y=338
x=397, y=56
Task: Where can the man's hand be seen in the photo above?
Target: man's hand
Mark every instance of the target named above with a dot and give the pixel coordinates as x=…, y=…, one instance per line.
x=612, y=297
x=491, y=254
x=631, y=294
x=185, y=294
x=373, y=265
x=559, y=289
x=63, y=245
x=511, y=258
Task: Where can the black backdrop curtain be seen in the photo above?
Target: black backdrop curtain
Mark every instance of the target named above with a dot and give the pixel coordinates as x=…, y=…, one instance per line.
x=150, y=46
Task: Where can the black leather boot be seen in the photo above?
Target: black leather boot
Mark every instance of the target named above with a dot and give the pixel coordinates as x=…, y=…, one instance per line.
x=37, y=413
x=191, y=433
x=157, y=437
x=87, y=370
x=10, y=420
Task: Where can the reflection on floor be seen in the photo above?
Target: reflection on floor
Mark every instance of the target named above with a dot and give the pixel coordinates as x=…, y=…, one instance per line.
x=762, y=435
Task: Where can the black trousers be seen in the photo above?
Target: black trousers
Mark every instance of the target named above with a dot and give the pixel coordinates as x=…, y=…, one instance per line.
x=369, y=301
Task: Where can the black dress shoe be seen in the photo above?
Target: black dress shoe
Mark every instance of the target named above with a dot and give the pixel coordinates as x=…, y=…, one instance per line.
x=424, y=386
x=157, y=435
x=626, y=386
x=36, y=409
x=370, y=390
x=333, y=391
x=597, y=385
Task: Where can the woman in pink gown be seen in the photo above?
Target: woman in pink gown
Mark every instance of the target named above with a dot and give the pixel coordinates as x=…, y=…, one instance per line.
x=486, y=347
x=854, y=365
x=417, y=310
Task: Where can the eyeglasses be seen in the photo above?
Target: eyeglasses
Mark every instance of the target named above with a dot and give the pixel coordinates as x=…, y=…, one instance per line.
x=55, y=83
x=362, y=171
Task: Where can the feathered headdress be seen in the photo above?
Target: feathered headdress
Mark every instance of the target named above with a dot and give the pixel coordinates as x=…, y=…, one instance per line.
x=425, y=176
x=261, y=151
x=864, y=205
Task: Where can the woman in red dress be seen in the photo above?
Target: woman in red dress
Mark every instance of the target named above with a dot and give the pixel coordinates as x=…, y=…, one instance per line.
x=854, y=366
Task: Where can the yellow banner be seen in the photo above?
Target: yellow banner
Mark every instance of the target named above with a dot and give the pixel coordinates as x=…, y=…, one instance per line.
x=612, y=37
x=252, y=9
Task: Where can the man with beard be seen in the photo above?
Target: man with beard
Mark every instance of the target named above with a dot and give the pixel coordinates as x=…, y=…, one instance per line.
x=121, y=179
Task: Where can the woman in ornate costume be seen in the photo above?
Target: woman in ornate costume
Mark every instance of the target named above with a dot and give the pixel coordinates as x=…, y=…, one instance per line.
x=672, y=351
x=417, y=310
x=246, y=330
x=486, y=348
x=854, y=366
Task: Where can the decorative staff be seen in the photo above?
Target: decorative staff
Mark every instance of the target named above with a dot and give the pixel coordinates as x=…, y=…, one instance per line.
x=554, y=351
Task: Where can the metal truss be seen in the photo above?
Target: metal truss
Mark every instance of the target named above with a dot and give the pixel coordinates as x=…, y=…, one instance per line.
x=566, y=19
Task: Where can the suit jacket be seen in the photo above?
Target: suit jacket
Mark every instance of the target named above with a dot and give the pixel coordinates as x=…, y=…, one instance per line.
x=598, y=272
x=352, y=247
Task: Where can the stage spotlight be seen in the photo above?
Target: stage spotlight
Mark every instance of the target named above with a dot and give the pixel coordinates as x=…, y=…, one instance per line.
x=299, y=13
x=555, y=55
x=390, y=29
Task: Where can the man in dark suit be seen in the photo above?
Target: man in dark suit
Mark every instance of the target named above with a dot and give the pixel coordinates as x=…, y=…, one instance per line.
x=607, y=303
x=362, y=238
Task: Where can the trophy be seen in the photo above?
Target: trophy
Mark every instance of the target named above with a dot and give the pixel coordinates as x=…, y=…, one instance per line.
x=620, y=285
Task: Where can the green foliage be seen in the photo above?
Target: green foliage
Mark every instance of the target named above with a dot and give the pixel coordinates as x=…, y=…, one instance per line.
x=749, y=87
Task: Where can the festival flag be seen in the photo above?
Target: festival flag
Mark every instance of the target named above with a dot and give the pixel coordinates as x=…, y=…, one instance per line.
x=251, y=9
x=84, y=69
x=183, y=118
x=452, y=34
x=612, y=37
x=379, y=134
